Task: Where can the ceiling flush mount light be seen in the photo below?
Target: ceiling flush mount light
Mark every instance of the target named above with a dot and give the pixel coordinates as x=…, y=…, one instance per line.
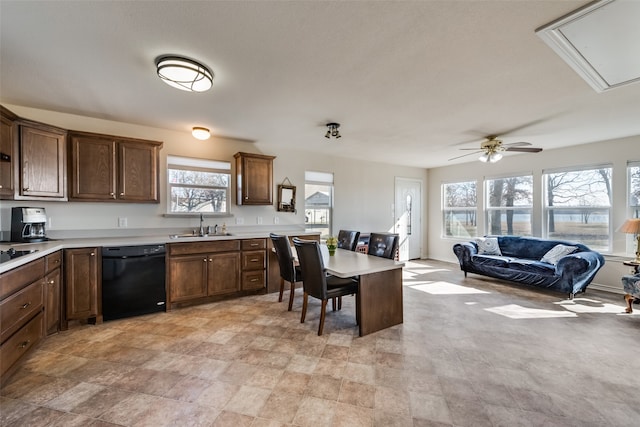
x=632, y=226
x=200, y=133
x=333, y=130
x=184, y=74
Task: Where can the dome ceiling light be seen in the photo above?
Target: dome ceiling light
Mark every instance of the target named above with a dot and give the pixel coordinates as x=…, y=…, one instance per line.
x=200, y=133
x=184, y=74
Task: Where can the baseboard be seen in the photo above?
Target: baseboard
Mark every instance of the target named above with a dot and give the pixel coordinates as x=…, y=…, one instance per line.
x=605, y=288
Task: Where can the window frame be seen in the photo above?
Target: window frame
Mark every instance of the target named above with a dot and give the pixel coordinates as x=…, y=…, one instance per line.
x=193, y=164
x=320, y=179
x=488, y=209
x=450, y=210
x=579, y=210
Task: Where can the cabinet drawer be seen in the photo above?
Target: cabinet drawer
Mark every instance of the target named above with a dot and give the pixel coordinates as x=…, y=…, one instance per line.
x=21, y=342
x=53, y=261
x=19, y=277
x=253, y=260
x=19, y=307
x=253, y=280
x=251, y=244
x=203, y=247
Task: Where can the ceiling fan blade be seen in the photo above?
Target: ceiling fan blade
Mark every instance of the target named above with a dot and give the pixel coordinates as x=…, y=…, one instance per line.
x=465, y=155
x=516, y=144
x=524, y=150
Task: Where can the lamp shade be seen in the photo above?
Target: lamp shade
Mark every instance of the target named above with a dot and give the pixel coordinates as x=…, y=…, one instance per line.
x=184, y=74
x=200, y=133
x=630, y=226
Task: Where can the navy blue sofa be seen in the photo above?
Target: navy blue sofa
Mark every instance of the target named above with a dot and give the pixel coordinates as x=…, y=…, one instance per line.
x=520, y=262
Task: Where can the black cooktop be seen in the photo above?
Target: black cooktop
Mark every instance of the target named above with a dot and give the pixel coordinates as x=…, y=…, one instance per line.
x=11, y=253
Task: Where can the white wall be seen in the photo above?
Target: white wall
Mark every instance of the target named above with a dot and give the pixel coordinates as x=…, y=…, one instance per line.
x=616, y=152
x=364, y=191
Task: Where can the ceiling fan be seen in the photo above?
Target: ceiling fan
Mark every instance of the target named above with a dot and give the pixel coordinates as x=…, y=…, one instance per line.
x=492, y=149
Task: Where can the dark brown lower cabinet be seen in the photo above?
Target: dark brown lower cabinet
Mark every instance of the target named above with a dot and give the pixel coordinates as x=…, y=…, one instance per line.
x=82, y=273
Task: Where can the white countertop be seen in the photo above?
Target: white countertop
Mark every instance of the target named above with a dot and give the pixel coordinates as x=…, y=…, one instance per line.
x=45, y=248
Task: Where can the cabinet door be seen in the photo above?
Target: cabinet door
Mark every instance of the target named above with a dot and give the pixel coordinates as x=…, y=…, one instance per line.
x=138, y=173
x=254, y=179
x=188, y=277
x=224, y=273
x=7, y=134
x=93, y=165
x=52, y=302
x=82, y=282
x=42, y=163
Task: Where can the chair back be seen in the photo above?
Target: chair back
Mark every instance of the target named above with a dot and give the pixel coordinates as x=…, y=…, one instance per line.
x=383, y=245
x=314, y=281
x=285, y=258
x=348, y=239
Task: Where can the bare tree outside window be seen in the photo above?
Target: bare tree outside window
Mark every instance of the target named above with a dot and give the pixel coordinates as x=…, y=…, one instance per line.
x=509, y=205
x=578, y=206
x=460, y=203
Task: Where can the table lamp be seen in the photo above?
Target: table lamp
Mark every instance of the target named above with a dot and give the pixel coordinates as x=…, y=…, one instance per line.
x=632, y=226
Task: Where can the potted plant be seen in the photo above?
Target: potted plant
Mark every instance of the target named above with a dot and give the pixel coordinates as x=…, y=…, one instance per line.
x=332, y=245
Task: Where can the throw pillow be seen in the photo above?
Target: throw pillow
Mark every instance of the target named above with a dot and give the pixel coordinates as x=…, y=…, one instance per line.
x=557, y=252
x=488, y=246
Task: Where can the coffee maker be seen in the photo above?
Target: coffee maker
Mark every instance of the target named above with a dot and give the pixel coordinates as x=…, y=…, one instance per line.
x=28, y=225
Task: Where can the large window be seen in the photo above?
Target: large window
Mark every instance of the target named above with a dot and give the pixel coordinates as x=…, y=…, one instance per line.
x=459, y=209
x=198, y=185
x=318, y=202
x=578, y=206
x=509, y=204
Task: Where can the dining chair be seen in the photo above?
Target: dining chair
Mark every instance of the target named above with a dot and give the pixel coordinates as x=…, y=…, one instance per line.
x=289, y=272
x=316, y=283
x=348, y=239
x=383, y=245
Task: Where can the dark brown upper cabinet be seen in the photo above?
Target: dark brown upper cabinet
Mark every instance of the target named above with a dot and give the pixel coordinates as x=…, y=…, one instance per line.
x=113, y=169
x=254, y=179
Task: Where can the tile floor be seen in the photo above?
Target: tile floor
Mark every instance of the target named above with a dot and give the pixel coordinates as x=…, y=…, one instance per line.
x=471, y=352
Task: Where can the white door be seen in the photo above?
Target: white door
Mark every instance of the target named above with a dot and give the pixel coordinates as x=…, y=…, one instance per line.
x=408, y=214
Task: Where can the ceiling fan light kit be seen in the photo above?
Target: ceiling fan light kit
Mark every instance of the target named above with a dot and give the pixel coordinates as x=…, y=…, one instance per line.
x=492, y=149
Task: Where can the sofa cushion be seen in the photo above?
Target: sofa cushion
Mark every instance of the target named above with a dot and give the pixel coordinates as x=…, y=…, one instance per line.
x=557, y=252
x=532, y=266
x=491, y=260
x=488, y=246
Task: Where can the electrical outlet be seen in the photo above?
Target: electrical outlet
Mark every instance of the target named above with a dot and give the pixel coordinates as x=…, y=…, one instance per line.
x=239, y=221
x=259, y=220
x=50, y=226
x=122, y=222
x=276, y=220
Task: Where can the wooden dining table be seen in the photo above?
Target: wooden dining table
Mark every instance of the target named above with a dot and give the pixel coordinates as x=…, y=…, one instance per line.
x=380, y=286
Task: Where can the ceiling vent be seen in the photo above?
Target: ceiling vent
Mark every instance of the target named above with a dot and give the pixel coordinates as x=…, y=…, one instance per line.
x=600, y=41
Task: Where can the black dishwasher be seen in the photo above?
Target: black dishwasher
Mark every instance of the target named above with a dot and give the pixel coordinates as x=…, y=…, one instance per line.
x=133, y=280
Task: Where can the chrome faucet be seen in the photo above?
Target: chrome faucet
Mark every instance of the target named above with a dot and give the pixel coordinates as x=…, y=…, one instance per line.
x=201, y=225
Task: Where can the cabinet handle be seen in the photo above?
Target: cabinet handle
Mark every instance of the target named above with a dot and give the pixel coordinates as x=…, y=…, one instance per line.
x=113, y=195
x=52, y=282
x=205, y=260
x=24, y=306
x=254, y=280
x=254, y=260
x=24, y=344
x=254, y=244
x=0, y=185
x=121, y=194
x=210, y=260
x=26, y=189
x=93, y=254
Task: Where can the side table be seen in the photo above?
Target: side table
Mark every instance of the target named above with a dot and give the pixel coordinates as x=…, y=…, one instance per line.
x=631, y=285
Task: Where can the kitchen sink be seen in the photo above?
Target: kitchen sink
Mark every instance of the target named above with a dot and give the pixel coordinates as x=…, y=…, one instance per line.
x=180, y=236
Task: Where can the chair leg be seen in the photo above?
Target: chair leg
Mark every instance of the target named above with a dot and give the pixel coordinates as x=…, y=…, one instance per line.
x=333, y=304
x=304, y=307
x=323, y=311
x=281, y=289
x=291, y=295
x=339, y=303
